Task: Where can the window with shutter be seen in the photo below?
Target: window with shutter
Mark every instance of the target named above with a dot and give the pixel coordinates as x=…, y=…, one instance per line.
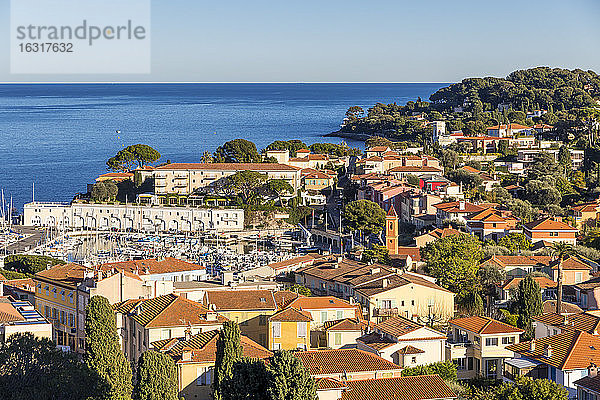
x=301, y=329
x=276, y=329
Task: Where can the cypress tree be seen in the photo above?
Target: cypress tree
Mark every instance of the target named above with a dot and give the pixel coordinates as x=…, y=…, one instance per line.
x=288, y=379
x=156, y=377
x=229, y=351
x=248, y=381
x=103, y=352
x=528, y=305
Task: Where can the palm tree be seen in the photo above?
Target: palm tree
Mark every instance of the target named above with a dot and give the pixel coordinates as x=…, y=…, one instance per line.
x=562, y=251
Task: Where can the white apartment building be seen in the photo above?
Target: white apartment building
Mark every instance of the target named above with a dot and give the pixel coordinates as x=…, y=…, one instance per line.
x=133, y=217
x=185, y=178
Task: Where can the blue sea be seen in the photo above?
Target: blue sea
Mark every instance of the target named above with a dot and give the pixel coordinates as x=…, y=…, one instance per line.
x=60, y=135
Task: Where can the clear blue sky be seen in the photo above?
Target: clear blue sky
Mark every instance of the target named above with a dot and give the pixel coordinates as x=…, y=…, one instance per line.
x=347, y=40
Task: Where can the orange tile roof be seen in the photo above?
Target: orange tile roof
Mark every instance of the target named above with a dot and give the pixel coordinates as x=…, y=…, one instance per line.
x=225, y=300
x=392, y=211
x=2, y=278
x=322, y=362
x=570, y=350
x=412, y=251
x=291, y=314
x=152, y=266
x=329, y=384
x=566, y=308
x=442, y=233
x=203, y=347
x=69, y=274
x=541, y=280
x=511, y=126
x=505, y=261
x=470, y=169
x=454, y=207
x=228, y=166
x=24, y=284
x=320, y=303
x=584, y=321
x=571, y=263
x=376, y=341
x=346, y=325
x=484, y=325
x=168, y=311
x=397, y=326
x=587, y=207
x=548, y=224
x=419, y=387
x=489, y=215
x=409, y=168
x=8, y=313
x=284, y=297
x=378, y=148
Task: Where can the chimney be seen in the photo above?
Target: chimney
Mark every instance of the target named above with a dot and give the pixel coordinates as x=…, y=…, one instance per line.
x=461, y=205
x=375, y=271
x=548, y=351
x=384, y=283
x=188, y=334
x=532, y=346
x=592, y=370
x=186, y=355
x=340, y=259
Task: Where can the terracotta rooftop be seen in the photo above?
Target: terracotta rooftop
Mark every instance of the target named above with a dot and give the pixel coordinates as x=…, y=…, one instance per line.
x=224, y=300
x=302, y=260
x=291, y=314
x=585, y=321
x=566, y=308
x=570, y=350
x=203, y=348
x=27, y=284
x=168, y=311
x=329, y=384
x=153, y=266
x=320, y=303
x=483, y=325
x=398, y=326
x=587, y=207
x=384, y=284
x=548, y=224
x=419, y=387
x=511, y=126
x=415, y=168
x=346, y=325
x=8, y=313
x=68, y=274
x=455, y=207
x=322, y=362
x=589, y=284
x=378, y=149
x=376, y=341
x=442, y=233
x=541, y=280
x=228, y=167
x=505, y=261
x=571, y=263
x=284, y=297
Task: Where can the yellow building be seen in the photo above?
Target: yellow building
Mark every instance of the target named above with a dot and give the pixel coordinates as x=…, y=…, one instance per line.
x=63, y=292
x=195, y=358
x=289, y=329
x=250, y=309
x=144, y=321
x=313, y=179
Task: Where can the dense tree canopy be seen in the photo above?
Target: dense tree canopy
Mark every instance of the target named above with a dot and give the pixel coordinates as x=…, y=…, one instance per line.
x=291, y=145
x=237, y=151
x=288, y=379
x=229, y=352
x=104, y=191
x=33, y=368
x=524, y=389
x=29, y=264
x=454, y=261
x=365, y=216
x=136, y=155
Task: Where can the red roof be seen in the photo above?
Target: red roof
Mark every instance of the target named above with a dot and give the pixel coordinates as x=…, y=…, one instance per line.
x=548, y=224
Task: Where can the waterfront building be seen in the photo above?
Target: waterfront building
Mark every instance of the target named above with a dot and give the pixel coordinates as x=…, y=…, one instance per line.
x=131, y=217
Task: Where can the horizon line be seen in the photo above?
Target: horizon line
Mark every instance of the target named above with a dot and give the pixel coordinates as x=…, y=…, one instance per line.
x=212, y=82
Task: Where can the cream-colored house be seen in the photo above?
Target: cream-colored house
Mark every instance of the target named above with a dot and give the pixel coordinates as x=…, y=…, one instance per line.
x=407, y=294
x=404, y=342
x=478, y=346
x=142, y=322
x=344, y=332
x=195, y=357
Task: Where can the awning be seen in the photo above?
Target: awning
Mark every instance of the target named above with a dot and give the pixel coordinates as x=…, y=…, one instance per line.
x=522, y=363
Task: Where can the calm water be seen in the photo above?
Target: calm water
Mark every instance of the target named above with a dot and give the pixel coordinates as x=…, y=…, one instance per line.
x=60, y=136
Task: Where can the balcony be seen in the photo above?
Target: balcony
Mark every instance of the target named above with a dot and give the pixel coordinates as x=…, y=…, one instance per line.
x=385, y=312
